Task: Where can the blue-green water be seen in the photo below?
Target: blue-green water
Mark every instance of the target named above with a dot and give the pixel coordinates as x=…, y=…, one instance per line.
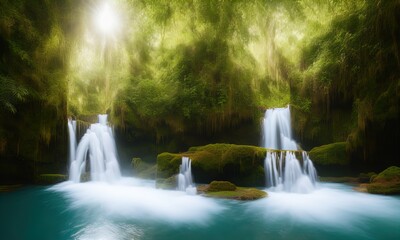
x=135, y=210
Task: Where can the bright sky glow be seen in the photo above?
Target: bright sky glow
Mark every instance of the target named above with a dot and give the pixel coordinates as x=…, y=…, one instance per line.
x=106, y=20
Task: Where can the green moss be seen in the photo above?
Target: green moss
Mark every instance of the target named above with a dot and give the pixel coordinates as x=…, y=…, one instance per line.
x=239, y=194
x=384, y=188
x=330, y=154
x=50, y=178
x=373, y=177
x=391, y=174
x=217, y=186
x=387, y=182
x=241, y=164
x=168, y=164
x=217, y=156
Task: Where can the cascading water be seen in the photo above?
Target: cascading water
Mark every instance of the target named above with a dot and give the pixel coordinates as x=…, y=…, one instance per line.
x=277, y=129
x=284, y=171
x=185, y=179
x=98, y=146
x=72, y=139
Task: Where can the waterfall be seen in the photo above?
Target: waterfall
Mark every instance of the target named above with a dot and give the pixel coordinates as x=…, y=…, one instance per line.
x=72, y=139
x=97, y=146
x=185, y=179
x=277, y=129
x=284, y=171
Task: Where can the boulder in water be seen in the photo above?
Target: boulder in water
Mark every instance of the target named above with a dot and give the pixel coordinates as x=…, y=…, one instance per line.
x=217, y=186
x=227, y=190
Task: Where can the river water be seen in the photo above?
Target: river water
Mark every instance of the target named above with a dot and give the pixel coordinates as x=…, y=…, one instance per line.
x=134, y=209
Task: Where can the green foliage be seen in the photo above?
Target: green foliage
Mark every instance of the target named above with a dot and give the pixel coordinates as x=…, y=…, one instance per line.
x=32, y=86
x=350, y=63
x=200, y=71
x=11, y=94
x=330, y=154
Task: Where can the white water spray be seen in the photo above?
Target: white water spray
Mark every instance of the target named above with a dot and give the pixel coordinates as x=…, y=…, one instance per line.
x=284, y=171
x=98, y=146
x=185, y=179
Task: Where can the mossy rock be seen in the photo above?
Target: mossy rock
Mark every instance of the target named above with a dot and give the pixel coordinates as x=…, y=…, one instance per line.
x=330, y=154
x=244, y=194
x=168, y=164
x=387, y=182
x=217, y=186
x=386, y=188
x=227, y=190
x=391, y=174
x=240, y=164
x=50, y=178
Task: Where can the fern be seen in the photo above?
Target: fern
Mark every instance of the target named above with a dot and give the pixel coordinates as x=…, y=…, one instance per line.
x=11, y=94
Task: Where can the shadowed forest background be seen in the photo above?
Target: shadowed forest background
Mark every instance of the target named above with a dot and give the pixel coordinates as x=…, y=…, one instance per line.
x=181, y=73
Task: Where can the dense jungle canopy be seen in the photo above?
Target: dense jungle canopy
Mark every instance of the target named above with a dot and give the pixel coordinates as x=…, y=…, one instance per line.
x=176, y=73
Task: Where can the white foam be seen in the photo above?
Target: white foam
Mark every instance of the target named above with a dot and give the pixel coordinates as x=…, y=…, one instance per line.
x=134, y=199
x=330, y=205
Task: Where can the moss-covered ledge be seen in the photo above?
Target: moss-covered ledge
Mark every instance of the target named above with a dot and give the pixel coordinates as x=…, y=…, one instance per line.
x=227, y=190
x=330, y=154
x=331, y=160
x=240, y=164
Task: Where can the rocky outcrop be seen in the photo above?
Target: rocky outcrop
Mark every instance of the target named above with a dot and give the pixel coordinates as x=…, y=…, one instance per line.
x=240, y=164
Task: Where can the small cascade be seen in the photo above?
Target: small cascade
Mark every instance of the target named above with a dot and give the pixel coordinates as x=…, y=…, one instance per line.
x=72, y=139
x=277, y=129
x=185, y=179
x=283, y=169
x=97, y=146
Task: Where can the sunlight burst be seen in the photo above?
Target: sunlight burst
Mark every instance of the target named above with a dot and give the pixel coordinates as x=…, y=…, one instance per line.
x=106, y=19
